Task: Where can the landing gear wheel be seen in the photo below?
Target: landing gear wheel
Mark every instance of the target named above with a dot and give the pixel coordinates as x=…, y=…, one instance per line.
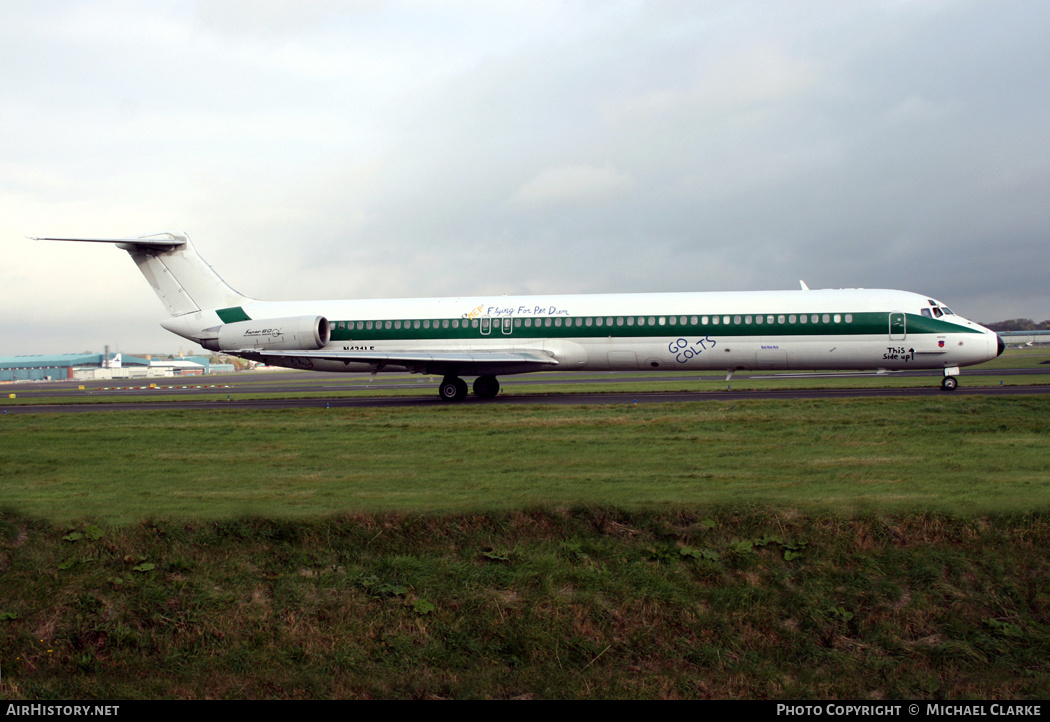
x=950, y=383
x=485, y=387
x=452, y=388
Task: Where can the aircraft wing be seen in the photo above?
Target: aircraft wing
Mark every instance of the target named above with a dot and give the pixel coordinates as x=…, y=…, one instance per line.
x=472, y=363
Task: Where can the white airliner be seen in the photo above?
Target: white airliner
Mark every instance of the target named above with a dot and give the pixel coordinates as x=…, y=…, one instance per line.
x=485, y=337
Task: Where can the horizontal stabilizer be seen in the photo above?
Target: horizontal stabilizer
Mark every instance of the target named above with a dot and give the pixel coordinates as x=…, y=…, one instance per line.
x=182, y=280
x=159, y=241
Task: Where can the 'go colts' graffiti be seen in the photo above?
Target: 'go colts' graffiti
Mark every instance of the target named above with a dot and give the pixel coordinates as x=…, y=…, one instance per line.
x=685, y=349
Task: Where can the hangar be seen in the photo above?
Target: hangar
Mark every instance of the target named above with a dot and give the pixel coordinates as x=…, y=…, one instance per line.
x=63, y=366
x=98, y=366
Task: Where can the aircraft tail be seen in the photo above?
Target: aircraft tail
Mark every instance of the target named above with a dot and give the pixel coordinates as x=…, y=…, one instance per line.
x=183, y=281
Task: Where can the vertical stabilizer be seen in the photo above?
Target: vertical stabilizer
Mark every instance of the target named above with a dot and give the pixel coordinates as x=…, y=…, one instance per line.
x=182, y=280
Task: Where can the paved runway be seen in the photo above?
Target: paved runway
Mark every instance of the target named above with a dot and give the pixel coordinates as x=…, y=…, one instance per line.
x=226, y=389
x=300, y=381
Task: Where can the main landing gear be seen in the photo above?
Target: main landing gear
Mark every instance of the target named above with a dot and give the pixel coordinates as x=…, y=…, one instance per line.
x=453, y=388
x=486, y=387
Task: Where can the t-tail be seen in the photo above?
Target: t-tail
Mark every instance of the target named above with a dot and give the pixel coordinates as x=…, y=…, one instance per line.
x=182, y=280
x=185, y=283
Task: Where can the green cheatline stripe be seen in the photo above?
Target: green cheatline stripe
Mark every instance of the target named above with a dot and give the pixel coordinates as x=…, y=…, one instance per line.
x=576, y=327
x=232, y=315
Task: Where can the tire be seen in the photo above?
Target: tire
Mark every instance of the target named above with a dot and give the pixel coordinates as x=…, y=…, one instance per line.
x=452, y=388
x=950, y=383
x=486, y=387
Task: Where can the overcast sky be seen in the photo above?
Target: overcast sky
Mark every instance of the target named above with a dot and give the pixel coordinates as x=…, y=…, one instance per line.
x=371, y=149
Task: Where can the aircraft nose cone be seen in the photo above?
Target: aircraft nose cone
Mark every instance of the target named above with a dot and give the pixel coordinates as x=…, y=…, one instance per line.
x=1002, y=345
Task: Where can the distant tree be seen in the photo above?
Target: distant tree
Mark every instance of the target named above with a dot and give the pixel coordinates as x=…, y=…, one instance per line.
x=1019, y=324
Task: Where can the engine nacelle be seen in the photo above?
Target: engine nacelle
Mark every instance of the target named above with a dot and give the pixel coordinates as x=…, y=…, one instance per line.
x=299, y=333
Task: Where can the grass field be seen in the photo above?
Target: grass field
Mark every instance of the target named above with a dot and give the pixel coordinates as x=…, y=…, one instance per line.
x=863, y=549
x=949, y=454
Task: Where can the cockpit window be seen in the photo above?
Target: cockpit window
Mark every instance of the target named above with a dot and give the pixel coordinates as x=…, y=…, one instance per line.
x=937, y=312
x=947, y=311
x=926, y=312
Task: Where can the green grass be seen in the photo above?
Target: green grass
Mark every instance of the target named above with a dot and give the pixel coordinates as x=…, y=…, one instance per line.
x=952, y=454
x=541, y=604
x=859, y=549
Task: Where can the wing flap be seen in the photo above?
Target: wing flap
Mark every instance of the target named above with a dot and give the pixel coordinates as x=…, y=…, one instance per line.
x=440, y=362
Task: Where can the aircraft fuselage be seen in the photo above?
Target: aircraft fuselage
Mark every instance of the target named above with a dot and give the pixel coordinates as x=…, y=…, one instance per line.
x=849, y=329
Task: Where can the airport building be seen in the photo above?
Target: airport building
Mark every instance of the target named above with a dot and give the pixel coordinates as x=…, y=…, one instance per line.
x=1025, y=338
x=101, y=366
x=64, y=366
